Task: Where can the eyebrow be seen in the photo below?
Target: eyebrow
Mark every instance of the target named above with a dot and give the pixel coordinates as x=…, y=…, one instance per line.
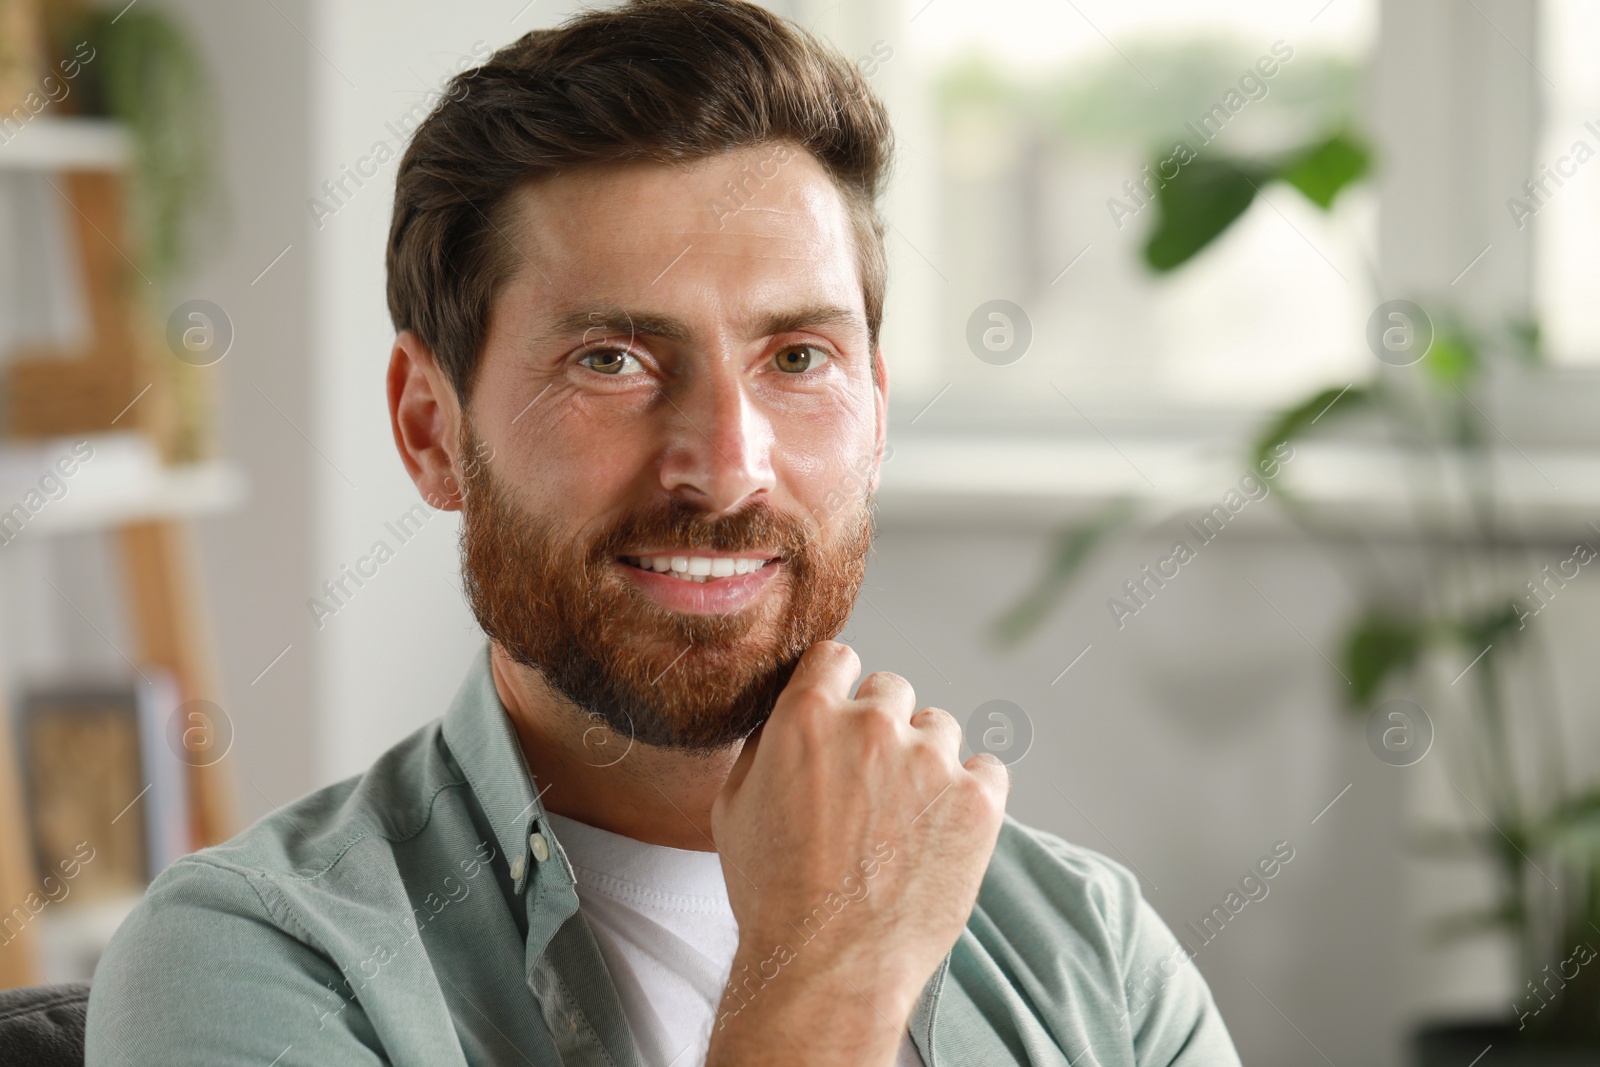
x=614, y=319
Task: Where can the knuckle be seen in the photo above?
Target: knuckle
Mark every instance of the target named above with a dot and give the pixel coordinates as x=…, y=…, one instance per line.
x=976, y=796
x=808, y=713
x=878, y=730
x=930, y=758
x=932, y=749
x=889, y=693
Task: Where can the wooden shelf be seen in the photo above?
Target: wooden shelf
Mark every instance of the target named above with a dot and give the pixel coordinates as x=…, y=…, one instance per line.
x=125, y=482
x=66, y=144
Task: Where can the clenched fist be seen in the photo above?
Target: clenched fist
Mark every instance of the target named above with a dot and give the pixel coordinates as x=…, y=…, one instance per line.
x=853, y=841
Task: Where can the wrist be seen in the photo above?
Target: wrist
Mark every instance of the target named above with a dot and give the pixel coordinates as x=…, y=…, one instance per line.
x=795, y=1010
x=800, y=964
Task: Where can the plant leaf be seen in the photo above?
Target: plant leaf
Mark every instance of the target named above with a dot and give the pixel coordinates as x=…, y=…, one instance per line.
x=1497, y=625
x=1207, y=195
x=1074, y=545
x=1444, y=843
x=1573, y=827
x=1527, y=343
x=1197, y=205
x=1480, y=921
x=1380, y=645
x=1323, y=170
x=1295, y=421
x=1453, y=358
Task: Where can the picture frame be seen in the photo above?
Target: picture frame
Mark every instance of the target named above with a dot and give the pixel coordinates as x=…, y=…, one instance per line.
x=104, y=795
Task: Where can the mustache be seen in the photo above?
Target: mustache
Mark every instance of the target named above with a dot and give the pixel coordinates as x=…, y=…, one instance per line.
x=682, y=524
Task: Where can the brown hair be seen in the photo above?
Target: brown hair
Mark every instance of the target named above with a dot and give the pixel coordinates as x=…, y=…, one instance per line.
x=672, y=81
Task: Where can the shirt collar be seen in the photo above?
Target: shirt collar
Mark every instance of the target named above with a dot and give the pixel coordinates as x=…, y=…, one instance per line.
x=563, y=962
x=478, y=730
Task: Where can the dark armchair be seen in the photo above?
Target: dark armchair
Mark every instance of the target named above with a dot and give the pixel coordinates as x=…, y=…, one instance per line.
x=42, y=1026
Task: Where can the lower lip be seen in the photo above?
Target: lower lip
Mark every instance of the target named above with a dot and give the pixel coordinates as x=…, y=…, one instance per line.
x=714, y=596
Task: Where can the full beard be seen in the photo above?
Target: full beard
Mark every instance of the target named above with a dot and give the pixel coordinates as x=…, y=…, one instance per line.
x=698, y=683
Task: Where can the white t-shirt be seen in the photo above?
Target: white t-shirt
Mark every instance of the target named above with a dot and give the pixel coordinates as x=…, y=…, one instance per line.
x=667, y=934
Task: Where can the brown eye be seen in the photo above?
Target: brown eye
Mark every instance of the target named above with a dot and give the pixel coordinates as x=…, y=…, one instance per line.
x=800, y=358
x=612, y=361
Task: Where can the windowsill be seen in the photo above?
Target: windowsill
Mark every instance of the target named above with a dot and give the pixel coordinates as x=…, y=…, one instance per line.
x=1030, y=482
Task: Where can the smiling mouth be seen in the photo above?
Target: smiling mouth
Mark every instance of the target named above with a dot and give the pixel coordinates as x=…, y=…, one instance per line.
x=699, y=568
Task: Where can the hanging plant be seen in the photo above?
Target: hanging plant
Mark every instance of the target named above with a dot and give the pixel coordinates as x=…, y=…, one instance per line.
x=148, y=75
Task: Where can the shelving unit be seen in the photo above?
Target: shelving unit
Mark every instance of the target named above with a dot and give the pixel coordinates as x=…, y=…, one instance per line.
x=146, y=507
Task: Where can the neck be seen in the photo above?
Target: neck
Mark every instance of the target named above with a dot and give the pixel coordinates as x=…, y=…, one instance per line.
x=655, y=795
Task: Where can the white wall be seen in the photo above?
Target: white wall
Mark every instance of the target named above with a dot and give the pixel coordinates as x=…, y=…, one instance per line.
x=392, y=659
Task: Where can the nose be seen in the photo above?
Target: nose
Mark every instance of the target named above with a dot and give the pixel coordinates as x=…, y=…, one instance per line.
x=719, y=453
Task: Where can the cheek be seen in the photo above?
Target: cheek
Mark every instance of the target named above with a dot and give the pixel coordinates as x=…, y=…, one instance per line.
x=819, y=458
x=579, y=455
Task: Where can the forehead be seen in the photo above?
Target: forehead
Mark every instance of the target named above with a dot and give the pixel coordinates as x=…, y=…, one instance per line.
x=734, y=232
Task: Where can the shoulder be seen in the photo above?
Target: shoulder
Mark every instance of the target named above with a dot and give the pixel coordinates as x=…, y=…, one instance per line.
x=1038, y=879
x=1068, y=931
x=266, y=913
x=1024, y=844
x=392, y=800
x=191, y=908
x=1047, y=948
x=206, y=946
x=268, y=882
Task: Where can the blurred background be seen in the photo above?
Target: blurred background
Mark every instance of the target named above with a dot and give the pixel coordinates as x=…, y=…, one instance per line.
x=1304, y=286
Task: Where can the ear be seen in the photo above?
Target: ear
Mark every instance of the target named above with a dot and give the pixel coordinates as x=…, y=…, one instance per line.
x=880, y=374
x=426, y=419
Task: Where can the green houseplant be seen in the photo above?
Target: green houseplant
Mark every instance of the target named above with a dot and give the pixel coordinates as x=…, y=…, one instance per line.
x=141, y=68
x=149, y=75
x=1470, y=603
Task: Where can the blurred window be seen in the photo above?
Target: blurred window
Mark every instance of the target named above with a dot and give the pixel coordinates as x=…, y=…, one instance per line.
x=1566, y=221
x=1039, y=120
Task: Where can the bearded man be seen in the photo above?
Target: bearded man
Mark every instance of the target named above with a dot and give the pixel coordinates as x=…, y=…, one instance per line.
x=637, y=275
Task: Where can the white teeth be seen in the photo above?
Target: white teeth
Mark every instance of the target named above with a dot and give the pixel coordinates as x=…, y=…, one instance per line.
x=697, y=568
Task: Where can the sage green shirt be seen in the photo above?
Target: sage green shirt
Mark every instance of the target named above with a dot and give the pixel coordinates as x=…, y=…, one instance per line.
x=424, y=914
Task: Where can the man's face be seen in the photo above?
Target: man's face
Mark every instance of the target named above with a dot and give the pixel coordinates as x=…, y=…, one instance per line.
x=676, y=380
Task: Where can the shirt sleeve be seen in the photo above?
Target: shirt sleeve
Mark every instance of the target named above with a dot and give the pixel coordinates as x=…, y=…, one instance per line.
x=200, y=974
x=1175, y=1020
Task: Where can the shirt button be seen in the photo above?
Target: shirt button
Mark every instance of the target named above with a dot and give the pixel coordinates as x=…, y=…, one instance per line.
x=516, y=867
x=541, y=847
